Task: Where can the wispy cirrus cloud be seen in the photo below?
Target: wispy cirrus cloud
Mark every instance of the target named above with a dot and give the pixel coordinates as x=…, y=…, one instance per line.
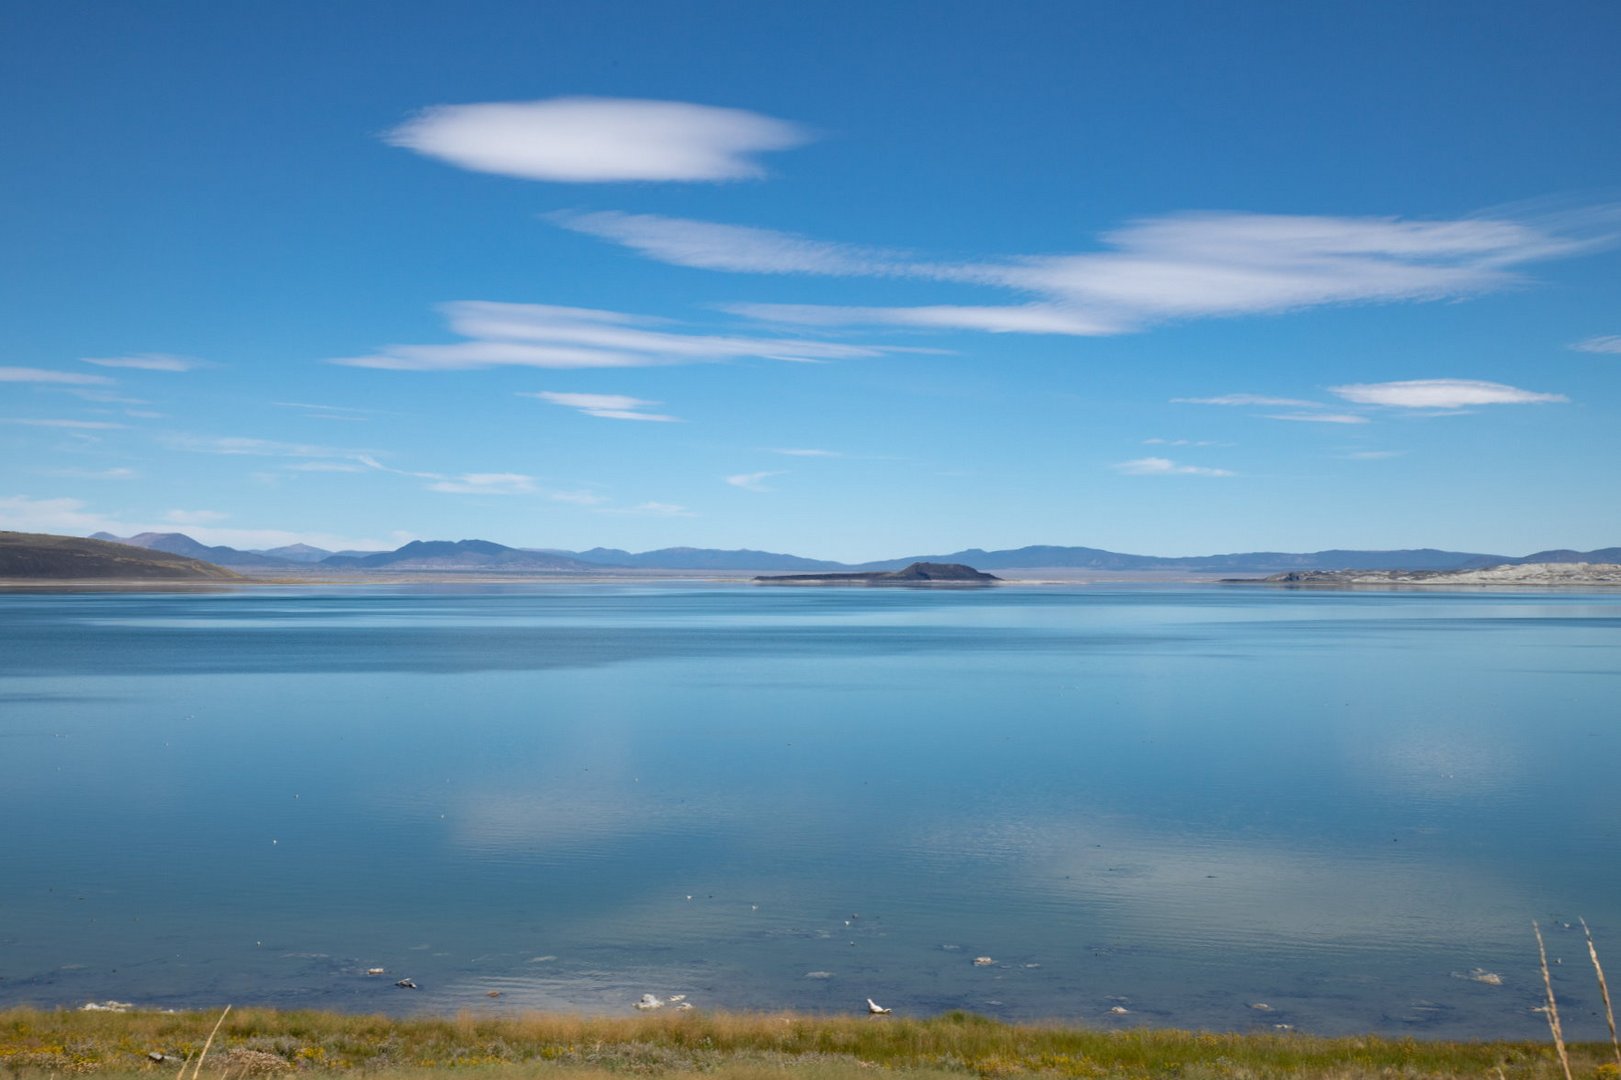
x=651, y=509
x=45, y=375
x=1609, y=343
x=77, y=425
x=606, y=406
x=1183, y=442
x=325, y=467
x=194, y=517
x=1159, y=466
x=598, y=140
x=1248, y=399
x=317, y=411
x=1441, y=394
x=1319, y=418
x=546, y=336
x=754, y=481
x=1172, y=267
x=487, y=484
x=742, y=248
x=117, y=472
x=235, y=445
x=148, y=362
x=75, y=517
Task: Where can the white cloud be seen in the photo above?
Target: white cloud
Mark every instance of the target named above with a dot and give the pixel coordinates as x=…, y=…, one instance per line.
x=116, y=473
x=72, y=517
x=147, y=362
x=545, y=336
x=325, y=467
x=102, y=397
x=80, y=425
x=194, y=517
x=42, y=375
x=1441, y=394
x=1176, y=266
x=1247, y=399
x=711, y=246
x=752, y=481
x=651, y=509
x=578, y=498
x=1610, y=343
x=487, y=484
x=606, y=406
x=1183, y=442
x=21, y=513
x=1158, y=466
x=808, y=453
x=238, y=445
x=1320, y=418
x=317, y=407
x=588, y=139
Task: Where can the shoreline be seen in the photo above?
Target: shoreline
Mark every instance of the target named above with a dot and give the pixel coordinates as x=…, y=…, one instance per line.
x=262, y=1041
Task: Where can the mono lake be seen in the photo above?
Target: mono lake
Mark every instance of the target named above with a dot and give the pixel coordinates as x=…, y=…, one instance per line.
x=1182, y=802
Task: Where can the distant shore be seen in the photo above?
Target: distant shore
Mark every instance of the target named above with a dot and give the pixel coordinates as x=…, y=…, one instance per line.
x=1028, y=576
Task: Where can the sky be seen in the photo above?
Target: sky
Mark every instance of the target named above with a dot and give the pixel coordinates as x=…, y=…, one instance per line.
x=848, y=280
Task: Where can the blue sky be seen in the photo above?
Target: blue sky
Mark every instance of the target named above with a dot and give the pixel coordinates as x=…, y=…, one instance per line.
x=849, y=280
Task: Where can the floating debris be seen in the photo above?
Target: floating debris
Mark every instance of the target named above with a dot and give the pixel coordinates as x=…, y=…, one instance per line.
x=983, y=961
x=676, y=999
x=1283, y=1027
x=818, y=974
x=1119, y=1010
x=1481, y=975
x=492, y=993
x=107, y=1006
x=683, y=1005
x=876, y=1009
x=649, y=1001
x=374, y=971
x=1261, y=1006
x=406, y=984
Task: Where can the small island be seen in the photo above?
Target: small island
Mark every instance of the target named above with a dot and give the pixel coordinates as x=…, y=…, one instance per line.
x=919, y=573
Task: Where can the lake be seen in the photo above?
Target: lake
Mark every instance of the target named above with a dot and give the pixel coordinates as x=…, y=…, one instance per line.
x=1186, y=803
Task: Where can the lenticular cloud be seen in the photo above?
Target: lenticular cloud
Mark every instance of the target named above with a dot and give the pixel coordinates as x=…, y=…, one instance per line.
x=585, y=139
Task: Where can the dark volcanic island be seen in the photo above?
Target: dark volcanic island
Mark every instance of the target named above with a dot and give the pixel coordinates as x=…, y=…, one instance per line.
x=919, y=573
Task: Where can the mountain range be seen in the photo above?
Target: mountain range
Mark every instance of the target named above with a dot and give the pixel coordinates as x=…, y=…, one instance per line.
x=449, y=555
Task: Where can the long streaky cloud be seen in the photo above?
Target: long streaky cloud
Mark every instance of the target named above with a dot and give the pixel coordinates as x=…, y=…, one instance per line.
x=1320, y=418
x=547, y=336
x=1247, y=399
x=1442, y=394
x=78, y=425
x=605, y=406
x=44, y=375
x=595, y=140
x=1609, y=343
x=146, y=362
x=1176, y=266
x=754, y=481
x=1159, y=466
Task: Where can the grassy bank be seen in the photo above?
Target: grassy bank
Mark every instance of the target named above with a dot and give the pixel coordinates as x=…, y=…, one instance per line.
x=261, y=1042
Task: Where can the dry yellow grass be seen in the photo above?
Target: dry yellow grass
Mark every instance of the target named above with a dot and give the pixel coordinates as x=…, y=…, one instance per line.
x=721, y=1046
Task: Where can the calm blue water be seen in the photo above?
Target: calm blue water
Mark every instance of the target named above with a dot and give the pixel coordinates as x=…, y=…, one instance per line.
x=1183, y=802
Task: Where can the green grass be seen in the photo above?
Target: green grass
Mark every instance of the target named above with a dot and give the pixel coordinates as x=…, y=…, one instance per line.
x=721, y=1046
